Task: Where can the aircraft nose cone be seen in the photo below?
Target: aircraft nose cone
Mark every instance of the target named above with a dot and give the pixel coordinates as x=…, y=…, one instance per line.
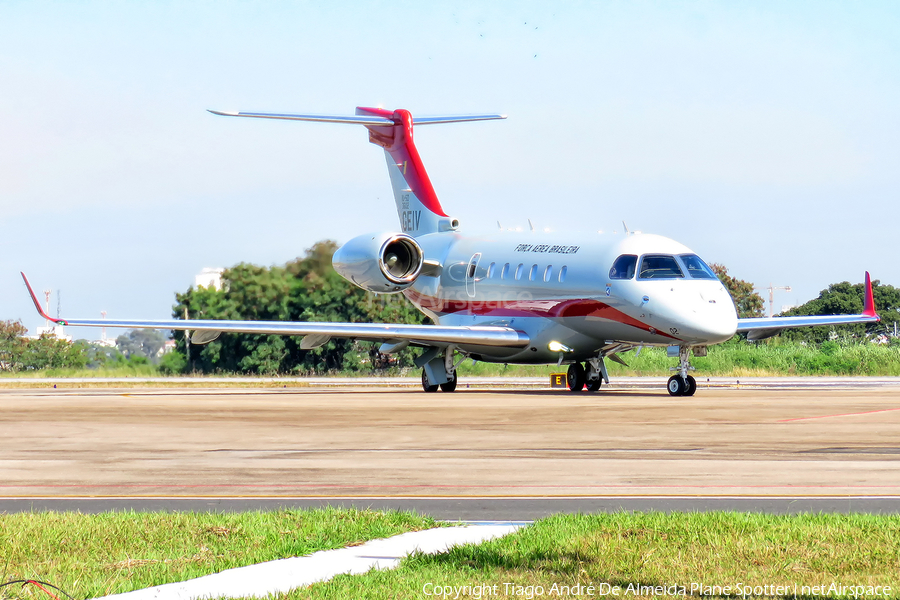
x=710, y=319
x=719, y=327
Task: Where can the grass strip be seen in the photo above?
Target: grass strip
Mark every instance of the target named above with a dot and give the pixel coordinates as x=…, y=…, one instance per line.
x=96, y=555
x=735, y=358
x=669, y=552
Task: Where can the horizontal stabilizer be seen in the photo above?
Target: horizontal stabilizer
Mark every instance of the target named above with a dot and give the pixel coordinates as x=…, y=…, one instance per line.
x=359, y=119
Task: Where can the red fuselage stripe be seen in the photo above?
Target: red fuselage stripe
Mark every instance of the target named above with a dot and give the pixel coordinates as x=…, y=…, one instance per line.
x=549, y=308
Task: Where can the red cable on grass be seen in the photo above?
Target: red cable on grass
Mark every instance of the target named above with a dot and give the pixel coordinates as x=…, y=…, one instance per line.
x=45, y=590
x=40, y=585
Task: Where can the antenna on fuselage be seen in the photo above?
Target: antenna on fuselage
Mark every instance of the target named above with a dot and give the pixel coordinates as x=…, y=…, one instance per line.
x=625, y=227
x=530, y=224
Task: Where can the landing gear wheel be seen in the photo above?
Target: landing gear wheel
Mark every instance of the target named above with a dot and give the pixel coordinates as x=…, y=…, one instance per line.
x=676, y=385
x=691, y=386
x=575, y=377
x=450, y=386
x=594, y=385
x=426, y=385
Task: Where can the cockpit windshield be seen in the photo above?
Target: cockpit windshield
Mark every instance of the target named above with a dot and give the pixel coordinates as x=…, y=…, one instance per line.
x=624, y=267
x=660, y=266
x=696, y=268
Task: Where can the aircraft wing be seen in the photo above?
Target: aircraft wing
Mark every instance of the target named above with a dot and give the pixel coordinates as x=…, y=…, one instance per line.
x=319, y=333
x=764, y=327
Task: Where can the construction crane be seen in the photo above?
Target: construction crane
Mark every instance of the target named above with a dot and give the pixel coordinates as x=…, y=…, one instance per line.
x=772, y=289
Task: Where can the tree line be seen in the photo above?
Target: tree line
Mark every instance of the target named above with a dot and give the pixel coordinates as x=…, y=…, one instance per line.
x=133, y=349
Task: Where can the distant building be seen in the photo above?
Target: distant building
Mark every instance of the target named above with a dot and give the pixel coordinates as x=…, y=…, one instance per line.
x=210, y=278
x=57, y=331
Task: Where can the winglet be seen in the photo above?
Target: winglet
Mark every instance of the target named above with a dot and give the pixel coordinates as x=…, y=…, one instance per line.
x=37, y=303
x=869, y=302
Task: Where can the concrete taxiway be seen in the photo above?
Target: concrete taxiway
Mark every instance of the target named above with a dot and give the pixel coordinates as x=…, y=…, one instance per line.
x=779, y=445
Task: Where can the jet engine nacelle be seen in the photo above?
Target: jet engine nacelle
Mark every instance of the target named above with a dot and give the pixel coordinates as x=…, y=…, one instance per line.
x=381, y=262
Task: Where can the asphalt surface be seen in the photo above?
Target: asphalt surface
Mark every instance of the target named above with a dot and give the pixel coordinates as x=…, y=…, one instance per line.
x=478, y=454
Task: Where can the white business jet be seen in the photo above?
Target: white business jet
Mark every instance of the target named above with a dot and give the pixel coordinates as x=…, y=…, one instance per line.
x=525, y=298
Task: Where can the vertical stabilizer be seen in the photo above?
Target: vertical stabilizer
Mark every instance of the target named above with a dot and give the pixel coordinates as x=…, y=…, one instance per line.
x=418, y=207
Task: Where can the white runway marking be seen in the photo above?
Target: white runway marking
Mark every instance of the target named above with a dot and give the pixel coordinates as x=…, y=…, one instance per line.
x=282, y=576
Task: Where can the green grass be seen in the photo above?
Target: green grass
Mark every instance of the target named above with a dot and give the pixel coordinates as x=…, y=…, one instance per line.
x=95, y=555
x=652, y=549
x=735, y=358
x=133, y=371
x=92, y=555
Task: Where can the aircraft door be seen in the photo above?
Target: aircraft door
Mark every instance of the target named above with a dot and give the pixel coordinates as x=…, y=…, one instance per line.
x=471, y=271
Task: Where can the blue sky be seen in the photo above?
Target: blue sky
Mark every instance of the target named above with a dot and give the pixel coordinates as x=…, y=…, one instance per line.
x=763, y=135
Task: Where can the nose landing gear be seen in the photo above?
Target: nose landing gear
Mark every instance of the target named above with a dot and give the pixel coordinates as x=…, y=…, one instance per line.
x=681, y=387
x=682, y=384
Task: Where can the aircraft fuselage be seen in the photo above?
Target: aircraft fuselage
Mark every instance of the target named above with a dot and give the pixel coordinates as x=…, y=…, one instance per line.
x=561, y=288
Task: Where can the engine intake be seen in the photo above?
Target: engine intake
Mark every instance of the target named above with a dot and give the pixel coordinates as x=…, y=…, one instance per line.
x=384, y=262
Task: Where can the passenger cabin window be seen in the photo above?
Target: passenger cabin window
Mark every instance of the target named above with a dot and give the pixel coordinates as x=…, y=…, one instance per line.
x=696, y=268
x=490, y=271
x=519, y=271
x=562, y=274
x=532, y=275
x=548, y=273
x=505, y=271
x=624, y=267
x=660, y=266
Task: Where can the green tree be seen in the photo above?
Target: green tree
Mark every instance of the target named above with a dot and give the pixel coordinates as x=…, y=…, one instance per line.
x=172, y=363
x=12, y=345
x=102, y=356
x=18, y=352
x=50, y=352
x=845, y=298
x=748, y=303
x=142, y=342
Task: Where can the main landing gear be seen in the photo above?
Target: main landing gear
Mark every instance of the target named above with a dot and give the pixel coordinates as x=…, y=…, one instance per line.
x=447, y=386
x=591, y=375
x=682, y=384
x=439, y=371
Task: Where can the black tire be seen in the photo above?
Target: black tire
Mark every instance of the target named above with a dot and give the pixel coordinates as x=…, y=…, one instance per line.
x=575, y=377
x=691, y=386
x=425, y=385
x=676, y=385
x=594, y=386
x=450, y=386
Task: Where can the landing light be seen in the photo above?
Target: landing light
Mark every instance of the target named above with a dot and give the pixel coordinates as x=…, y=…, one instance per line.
x=555, y=346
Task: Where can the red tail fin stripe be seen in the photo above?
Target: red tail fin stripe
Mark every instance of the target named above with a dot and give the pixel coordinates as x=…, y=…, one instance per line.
x=869, y=302
x=403, y=150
